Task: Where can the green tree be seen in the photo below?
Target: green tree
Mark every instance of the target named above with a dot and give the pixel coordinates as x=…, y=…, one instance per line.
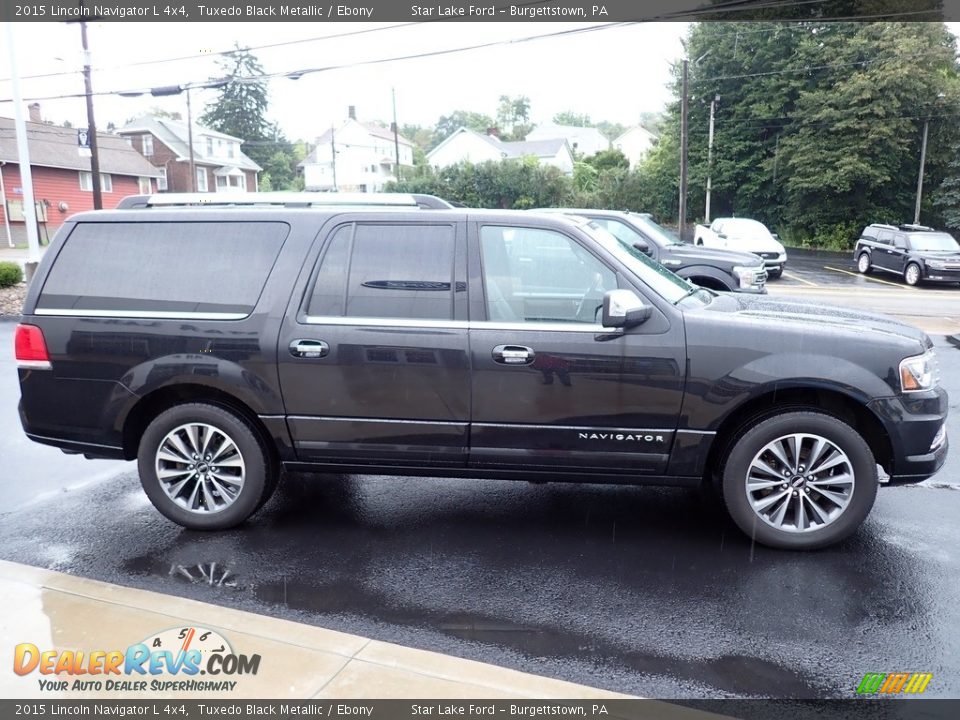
x=513, y=116
x=817, y=125
x=447, y=125
x=947, y=197
x=569, y=117
x=608, y=159
x=241, y=107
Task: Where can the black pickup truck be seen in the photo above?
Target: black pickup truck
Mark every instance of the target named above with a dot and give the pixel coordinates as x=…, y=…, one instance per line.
x=219, y=344
x=723, y=270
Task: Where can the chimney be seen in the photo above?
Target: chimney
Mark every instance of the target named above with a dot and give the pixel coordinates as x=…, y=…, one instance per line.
x=352, y=112
x=34, y=110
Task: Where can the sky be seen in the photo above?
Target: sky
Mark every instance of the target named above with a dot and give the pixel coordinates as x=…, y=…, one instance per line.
x=612, y=74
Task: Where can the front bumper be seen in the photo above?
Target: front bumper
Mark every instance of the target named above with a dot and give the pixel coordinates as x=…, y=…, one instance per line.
x=916, y=426
x=933, y=275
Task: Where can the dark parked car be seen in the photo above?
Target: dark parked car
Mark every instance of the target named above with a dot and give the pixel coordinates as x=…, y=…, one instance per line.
x=724, y=270
x=915, y=252
x=219, y=345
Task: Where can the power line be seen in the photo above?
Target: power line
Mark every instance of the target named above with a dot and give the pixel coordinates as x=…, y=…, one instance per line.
x=160, y=61
x=296, y=74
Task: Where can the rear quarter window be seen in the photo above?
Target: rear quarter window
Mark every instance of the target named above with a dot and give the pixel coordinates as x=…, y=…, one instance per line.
x=176, y=268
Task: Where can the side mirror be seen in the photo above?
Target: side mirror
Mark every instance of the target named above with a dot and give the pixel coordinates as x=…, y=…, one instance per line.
x=722, y=236
x=642, y=246
x=776, y=237
x=623, y=309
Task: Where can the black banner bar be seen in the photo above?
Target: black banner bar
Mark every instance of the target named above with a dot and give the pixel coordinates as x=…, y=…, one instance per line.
x=492, y=11
x=853, y=709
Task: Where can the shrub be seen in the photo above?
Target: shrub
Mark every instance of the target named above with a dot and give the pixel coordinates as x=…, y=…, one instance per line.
x=10, y=274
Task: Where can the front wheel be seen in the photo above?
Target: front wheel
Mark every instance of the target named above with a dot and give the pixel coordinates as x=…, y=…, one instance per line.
x=775, y=273
x=911, y=275
x=799, y=481
x=204, y=467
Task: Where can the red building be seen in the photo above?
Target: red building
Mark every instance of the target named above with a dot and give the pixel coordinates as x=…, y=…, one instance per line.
x=62, y=181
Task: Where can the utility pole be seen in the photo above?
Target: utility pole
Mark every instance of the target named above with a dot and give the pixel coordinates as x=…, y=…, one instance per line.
x=683, y=152
x=396, y=132
x=91, y=124
x=333, y=157
x=923, y=160
x=713, y=104
x=193, y=167
x=23, y=153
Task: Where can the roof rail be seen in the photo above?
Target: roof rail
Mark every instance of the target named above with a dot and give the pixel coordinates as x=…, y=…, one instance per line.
x=911, y=226
x=286, y=199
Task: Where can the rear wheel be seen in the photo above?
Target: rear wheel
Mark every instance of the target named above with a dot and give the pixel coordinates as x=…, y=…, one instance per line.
x=800, y=480
x=911, y=275
x=204, y=467
x=863, y=263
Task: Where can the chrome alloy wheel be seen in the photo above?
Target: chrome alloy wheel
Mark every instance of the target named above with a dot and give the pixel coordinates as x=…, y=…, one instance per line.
x=863, y=262
x=200, y=468
x=913, y=274
x=800, y=482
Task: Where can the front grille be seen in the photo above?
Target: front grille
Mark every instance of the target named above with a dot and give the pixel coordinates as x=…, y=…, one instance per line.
x=768, y=255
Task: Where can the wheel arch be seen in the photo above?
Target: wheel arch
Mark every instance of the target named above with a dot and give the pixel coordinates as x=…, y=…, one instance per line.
x=825, y=400
x=714, y=279
x=152, y=404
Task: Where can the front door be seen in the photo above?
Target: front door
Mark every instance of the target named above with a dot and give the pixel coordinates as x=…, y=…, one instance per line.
x=552, y=390
x=373, y=363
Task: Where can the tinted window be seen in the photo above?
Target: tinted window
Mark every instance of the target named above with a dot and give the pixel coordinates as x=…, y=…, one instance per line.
x=869, y=233
x=387, y=271
x=900, y=241
x=541, y=275
x=885, y=236
x=620, y=231
x=190, y=267
x=330, y=286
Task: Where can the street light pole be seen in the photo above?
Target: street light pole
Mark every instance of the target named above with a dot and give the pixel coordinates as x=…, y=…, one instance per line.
x=193, y=167
x=923, y=160
x=682, y=222
x=713, y=104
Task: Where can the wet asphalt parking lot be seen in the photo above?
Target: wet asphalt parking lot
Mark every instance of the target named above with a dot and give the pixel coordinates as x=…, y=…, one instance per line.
x=650, y=591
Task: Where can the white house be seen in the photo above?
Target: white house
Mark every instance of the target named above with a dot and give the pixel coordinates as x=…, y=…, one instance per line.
x=584, y=141
x=465, y=145
x=365, y=158
x=635, y=143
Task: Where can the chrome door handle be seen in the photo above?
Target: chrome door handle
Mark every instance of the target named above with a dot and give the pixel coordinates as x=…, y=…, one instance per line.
x=513, y=355
x=309, y=348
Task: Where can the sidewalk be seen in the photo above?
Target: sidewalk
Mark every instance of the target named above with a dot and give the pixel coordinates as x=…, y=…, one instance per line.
x=55, y=611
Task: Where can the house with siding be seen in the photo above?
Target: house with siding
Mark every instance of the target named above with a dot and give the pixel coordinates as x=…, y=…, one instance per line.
x=358, y=156
x=219, y=164
x=584, y=141
x=635, y=143
x=465, y=145
x=62, y=181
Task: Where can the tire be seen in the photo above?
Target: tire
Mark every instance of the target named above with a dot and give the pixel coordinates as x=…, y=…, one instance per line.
x=775, y=274
x=911, y=274
x=850, y=478
x=241, y=481
x=864, y=265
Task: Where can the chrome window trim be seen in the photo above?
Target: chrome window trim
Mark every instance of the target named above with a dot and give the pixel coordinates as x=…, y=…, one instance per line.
x=147, y=314
x=457, y=324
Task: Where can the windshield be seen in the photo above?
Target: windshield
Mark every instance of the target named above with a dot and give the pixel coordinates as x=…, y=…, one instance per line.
x=663, y=235
x=934, y=241
x=663, y=282
x=746, y=229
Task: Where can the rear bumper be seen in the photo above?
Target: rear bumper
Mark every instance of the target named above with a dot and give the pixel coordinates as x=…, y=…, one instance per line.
x=916, y=426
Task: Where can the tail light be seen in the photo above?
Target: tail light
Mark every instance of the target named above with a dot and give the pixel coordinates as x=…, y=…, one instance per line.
x=30, y=348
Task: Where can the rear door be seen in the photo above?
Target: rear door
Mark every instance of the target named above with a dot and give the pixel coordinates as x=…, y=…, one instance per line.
x=883, y=250
x=552, y=390
x=373, y=355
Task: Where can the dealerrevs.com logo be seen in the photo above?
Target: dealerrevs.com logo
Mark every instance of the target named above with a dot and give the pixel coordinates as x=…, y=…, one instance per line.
x=169, y=661
x=894, y=683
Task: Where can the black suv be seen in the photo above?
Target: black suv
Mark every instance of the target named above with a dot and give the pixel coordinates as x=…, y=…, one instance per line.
x=219, y=345
x=914, y=252
x=724, y=270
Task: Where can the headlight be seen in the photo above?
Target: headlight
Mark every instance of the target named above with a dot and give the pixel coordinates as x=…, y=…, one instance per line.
x=747, y=276
x=936, y=264
x=918, y=372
